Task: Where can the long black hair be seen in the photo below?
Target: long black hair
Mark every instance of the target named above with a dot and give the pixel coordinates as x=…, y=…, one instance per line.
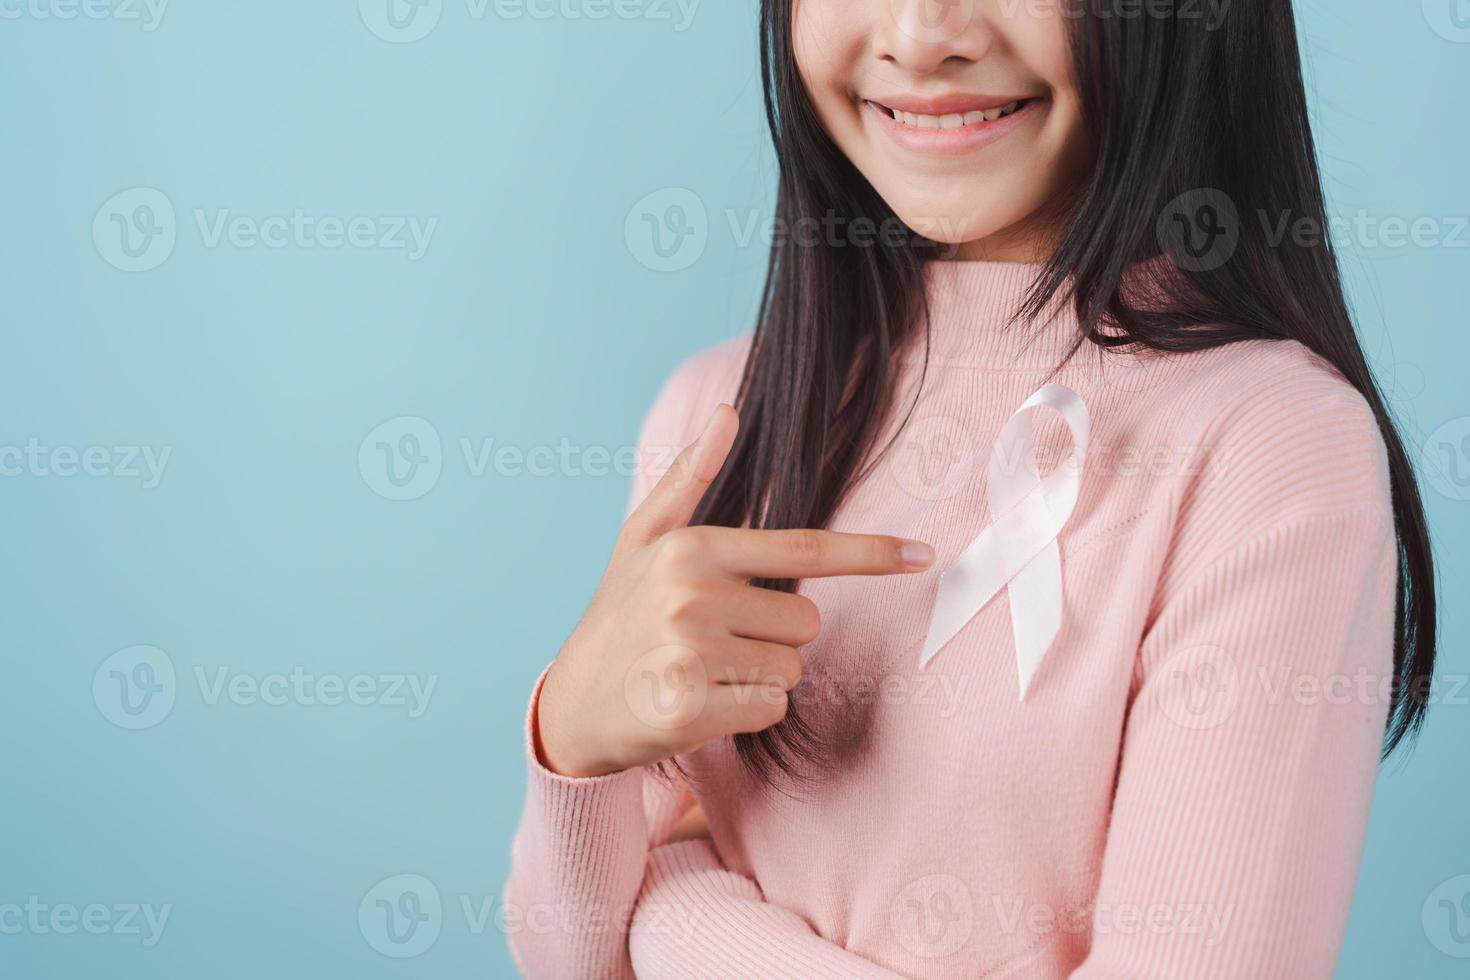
x=1175, y=109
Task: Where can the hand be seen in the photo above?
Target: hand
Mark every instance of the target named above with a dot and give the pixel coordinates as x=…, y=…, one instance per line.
x=676, y=647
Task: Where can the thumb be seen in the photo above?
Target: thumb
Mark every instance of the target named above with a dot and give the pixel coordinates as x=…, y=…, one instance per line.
x=673, y=499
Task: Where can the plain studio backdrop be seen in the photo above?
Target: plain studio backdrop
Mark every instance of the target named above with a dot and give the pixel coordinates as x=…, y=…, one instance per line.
x=327, y=328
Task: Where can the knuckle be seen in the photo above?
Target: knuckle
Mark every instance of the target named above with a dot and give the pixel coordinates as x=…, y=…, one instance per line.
x=682, y=546
x=684, y=603
x=807, y=546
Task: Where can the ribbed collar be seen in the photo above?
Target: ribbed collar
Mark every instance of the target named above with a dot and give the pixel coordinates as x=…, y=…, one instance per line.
x=971, y=310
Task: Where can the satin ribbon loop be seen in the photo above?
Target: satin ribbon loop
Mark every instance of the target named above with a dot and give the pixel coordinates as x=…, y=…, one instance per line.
x=1018, y=551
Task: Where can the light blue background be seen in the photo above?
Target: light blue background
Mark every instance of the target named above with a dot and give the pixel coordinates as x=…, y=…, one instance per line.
x=529, y=320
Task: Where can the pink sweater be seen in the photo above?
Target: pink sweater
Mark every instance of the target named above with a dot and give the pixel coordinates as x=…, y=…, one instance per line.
x=1185, y=789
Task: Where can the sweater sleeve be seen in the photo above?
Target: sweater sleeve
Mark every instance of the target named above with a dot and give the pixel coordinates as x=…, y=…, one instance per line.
x=577, y=864
x=697, y=919
x=1261, y=690
x=578, y=856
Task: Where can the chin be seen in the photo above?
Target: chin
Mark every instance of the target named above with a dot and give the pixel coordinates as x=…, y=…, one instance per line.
x=948, y=224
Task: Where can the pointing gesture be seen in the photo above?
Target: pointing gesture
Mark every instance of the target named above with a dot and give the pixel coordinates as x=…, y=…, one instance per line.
x=676, y=647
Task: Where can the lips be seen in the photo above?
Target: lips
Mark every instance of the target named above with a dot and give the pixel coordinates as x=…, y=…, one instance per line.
x=951, y=126
x=954, y=119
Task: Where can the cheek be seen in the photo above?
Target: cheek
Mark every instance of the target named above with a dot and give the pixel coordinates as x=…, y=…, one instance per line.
x=828, y=41
x=808, y=32
x=1044, y=45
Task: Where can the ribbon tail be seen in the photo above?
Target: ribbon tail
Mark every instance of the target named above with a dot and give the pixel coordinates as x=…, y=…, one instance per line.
x=1036, y=612
x=995, y=557
x=965, y=589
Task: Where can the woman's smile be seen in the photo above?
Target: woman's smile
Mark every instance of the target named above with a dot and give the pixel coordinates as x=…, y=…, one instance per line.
x=976, y=138
x=949, y=126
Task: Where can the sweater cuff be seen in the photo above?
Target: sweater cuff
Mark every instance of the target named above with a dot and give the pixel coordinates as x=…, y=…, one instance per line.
x=593, y=815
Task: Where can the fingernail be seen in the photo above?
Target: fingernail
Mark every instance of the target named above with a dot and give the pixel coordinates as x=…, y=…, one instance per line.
x=916, y=554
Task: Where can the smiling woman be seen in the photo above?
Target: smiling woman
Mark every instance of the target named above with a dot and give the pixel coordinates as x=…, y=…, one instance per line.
x=1080, y=294
x=897, y=91
x=1022, y=575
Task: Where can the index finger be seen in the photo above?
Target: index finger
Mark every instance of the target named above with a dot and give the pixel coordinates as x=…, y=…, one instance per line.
x=807, y=553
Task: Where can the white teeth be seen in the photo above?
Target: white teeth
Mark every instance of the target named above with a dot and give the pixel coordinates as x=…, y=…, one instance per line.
x=953, y=120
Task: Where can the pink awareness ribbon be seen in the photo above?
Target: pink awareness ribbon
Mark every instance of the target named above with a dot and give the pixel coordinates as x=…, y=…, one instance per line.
x=1018, y=551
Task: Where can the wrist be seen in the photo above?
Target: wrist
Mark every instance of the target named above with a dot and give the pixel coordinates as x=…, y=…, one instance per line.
x=556, y=747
